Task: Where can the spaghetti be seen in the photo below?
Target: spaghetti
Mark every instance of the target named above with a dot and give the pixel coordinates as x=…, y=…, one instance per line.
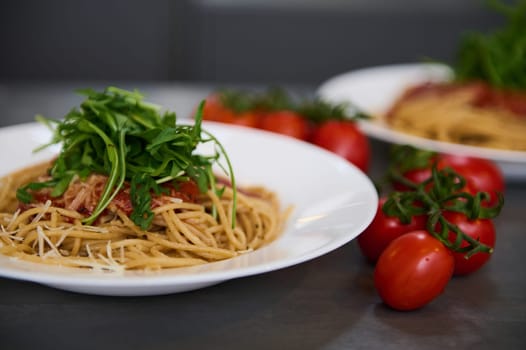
x=182, y=233
x=471, y=114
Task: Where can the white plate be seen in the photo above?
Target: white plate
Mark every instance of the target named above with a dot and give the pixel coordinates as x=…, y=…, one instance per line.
x=334, y=202
x=375, y=89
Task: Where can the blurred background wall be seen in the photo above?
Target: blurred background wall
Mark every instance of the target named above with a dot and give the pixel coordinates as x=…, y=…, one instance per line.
x=221, y=41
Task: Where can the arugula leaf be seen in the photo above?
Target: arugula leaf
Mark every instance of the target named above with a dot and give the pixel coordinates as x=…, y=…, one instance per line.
x=140, y=188
x=117, y=134
x=498, y=57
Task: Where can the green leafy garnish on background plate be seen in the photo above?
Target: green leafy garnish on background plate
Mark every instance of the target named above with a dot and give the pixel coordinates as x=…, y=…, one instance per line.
x=498, y=57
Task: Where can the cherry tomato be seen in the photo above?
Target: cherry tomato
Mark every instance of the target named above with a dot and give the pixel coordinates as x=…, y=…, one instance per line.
x=416, y=176
x=286, y=123
x=383, y=229
x=481, y=175
x=413, y=270
x=214, y=110
x=482, y=230
x=249, y=119
x=345, y=139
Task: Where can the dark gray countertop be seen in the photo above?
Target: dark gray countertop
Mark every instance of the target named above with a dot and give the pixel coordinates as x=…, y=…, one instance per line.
x=327, y=303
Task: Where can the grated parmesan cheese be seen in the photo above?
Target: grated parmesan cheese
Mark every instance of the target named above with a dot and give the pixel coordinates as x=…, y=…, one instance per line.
x=39, y=216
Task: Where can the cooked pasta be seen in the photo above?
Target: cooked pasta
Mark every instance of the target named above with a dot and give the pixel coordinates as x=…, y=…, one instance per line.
x=182, y=233
x=470, y=114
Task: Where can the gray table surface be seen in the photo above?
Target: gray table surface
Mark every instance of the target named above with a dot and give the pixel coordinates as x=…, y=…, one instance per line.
x=327, y=303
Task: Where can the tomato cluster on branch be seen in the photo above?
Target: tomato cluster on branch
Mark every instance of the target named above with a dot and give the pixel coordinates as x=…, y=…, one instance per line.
x=330, y=126
x=438, y=222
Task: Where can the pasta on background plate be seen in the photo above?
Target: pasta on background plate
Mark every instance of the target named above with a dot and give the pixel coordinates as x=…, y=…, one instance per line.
x=465, y=113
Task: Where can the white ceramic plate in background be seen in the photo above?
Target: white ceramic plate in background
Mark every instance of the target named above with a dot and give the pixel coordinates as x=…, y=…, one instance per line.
x=334, y=202
x=375, y=89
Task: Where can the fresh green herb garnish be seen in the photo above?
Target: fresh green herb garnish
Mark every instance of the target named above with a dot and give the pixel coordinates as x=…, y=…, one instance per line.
x=499, y=57
x=115, y=133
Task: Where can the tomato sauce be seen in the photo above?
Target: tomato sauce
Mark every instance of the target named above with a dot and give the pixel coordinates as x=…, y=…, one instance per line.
x=484, y=96
x=187, y=191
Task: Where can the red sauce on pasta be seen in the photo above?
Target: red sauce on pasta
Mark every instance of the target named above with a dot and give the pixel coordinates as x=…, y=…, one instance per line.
x=483, y=96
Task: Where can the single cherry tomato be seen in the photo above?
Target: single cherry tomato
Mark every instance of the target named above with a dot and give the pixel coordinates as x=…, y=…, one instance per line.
x=384, y=229
x=416, y=176
x=248, y=119
x=482, y=230
x=413, y=270
x=481, y=175
x=345, y=139
x=286, y=123
x=214, y=110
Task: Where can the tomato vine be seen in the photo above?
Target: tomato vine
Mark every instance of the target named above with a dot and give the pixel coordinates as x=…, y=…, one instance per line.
x=444, y=191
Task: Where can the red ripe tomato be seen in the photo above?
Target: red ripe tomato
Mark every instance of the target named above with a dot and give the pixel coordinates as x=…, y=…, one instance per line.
x=345, y=139
x=481, y=175
x=286, y=123
x=416, y=176
x=413, y=270
x=214, y=110
x=384, y=229
x=482, y=230
x=248, y=119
